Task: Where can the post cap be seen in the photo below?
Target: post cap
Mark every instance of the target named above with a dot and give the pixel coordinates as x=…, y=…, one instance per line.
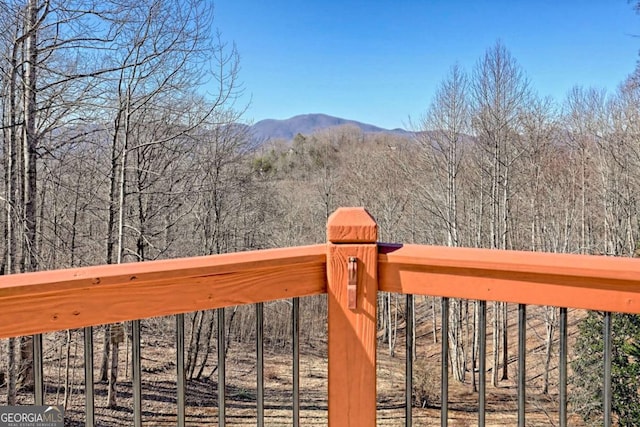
x=352, y=225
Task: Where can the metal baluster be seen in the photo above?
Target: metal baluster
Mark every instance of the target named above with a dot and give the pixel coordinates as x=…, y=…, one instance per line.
x=409, y=363
x=563, y=367
x=260, y=362
x=522, y=360
x=221, y=368
x=180, y=375
x=444, y=374
x=482, y=380
x=38, y=372
x=136, y=372
x=89, y=410
x=606, y=396
x=295, y=314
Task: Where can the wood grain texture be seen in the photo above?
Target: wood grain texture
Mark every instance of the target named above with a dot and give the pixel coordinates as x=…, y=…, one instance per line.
x=351, y=225
x=563, y=280
x=65, y=299
x=352, y=342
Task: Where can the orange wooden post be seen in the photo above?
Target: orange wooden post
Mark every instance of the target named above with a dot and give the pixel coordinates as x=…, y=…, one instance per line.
x=352, y=271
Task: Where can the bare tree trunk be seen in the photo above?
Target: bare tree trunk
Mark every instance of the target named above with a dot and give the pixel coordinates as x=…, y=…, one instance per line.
x=392, y=346
x=434, y=318
x=11, y=176
x=106, y=347
x=59, y=377
x=113, y=377
x=456, y=341
x=504, y=244
x=468, y=341
x=413, y=314
x=550, y=321
x=207, y=350
x=11, y=374
x=194, y=343
x=25, y=375
x=110, y=241
x=583, y=205
x=495, y=359
x=505, y=341
x=480, y=214
x=390, y=317
x=67, y=361
x=30, y=141
x=474, y=347
x=128, y=326
x=72, y=383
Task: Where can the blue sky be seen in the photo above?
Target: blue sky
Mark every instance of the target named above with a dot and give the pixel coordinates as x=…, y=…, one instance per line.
x=380, y=61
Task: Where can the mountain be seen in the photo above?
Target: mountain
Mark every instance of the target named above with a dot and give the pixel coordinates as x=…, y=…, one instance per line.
x=309, y=123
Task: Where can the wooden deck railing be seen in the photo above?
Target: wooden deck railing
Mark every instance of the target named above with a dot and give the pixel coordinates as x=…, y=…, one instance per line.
x=351, y=268
x=48, y=301
x=561, y=280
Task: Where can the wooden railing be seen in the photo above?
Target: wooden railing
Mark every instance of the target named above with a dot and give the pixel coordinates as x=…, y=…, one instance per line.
x=48, y=301
x=561, y=280
x=351, y=268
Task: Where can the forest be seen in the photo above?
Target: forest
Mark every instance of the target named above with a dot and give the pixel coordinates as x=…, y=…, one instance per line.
x=123, y=141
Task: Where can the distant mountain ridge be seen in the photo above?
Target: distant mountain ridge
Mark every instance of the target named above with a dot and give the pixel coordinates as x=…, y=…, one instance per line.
x=306, y=124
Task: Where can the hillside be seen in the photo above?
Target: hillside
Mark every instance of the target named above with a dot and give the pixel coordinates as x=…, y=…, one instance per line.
x=305, y=124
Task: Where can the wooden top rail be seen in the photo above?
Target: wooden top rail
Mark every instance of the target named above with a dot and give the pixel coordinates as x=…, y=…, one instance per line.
x=563, y=280
x=65, y=299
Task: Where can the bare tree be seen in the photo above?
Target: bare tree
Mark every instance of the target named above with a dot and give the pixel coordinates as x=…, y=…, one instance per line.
x=442, y=136
x=500, y=91
x=163, y=55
